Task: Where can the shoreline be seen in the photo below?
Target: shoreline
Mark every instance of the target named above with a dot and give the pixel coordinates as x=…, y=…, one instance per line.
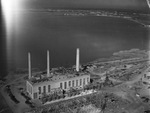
x=100, y=13
x=11, y=79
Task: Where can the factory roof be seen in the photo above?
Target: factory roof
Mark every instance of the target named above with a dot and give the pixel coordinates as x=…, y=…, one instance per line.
x=40, y=79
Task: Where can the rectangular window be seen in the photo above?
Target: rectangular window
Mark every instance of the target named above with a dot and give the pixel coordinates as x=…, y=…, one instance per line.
x=31, y=89
x=87, y=80
x=39, y=90
x=76, y=82
x=65, y=85
x=73, y=83
x=61, y=85
x=35, y=95
x=69, y=83
x=44, y=89
x=83, y=81
x=28, y=87
x=49, y=88
x=80, y=82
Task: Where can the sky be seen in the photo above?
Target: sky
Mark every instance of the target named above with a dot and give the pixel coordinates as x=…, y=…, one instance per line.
x=98, y=4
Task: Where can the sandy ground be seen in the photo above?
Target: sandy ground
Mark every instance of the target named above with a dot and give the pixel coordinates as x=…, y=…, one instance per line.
x=15, y=84
x=124, y=90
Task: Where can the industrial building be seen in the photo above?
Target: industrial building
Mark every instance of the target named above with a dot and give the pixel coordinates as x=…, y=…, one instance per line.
x=50, y=82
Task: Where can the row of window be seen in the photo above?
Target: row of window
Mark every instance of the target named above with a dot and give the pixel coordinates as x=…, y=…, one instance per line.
x=78, y=83
x=44, y=89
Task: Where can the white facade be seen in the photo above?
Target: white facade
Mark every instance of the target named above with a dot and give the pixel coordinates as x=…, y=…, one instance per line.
x=29, y=88
x=36, y=90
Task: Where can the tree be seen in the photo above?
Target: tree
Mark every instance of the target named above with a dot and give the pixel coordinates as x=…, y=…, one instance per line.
x=61, y=95
x=107, y=81
x=103, y=105
x=44, y=100
x=99, y=86
x=49, y=98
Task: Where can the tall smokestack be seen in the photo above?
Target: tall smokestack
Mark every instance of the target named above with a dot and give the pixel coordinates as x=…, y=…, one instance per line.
x=29, y=65
x=77, y=60
x=48, y=63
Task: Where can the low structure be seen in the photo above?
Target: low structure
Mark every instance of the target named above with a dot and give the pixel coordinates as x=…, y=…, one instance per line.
x=146, y=77
x=50, y=82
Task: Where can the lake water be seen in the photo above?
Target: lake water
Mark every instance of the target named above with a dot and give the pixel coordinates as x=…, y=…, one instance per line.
x=96, y=37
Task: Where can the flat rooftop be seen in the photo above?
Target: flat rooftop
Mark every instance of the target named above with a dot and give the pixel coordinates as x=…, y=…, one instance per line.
x=42, y=78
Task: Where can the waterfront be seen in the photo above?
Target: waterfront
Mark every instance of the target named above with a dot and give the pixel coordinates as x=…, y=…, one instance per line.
x=124, y=84
x=96, y=37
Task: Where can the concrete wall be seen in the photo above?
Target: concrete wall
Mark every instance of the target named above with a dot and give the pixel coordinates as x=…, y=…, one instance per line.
x=29, y=88
x=55, y=85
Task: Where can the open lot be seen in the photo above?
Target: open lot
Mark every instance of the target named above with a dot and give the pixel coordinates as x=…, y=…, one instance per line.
x=121, y=90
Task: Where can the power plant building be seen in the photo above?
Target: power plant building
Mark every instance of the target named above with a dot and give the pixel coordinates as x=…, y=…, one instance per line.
x=48, y=83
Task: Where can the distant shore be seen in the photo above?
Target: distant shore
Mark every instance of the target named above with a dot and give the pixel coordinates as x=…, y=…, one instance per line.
x=134, y=16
